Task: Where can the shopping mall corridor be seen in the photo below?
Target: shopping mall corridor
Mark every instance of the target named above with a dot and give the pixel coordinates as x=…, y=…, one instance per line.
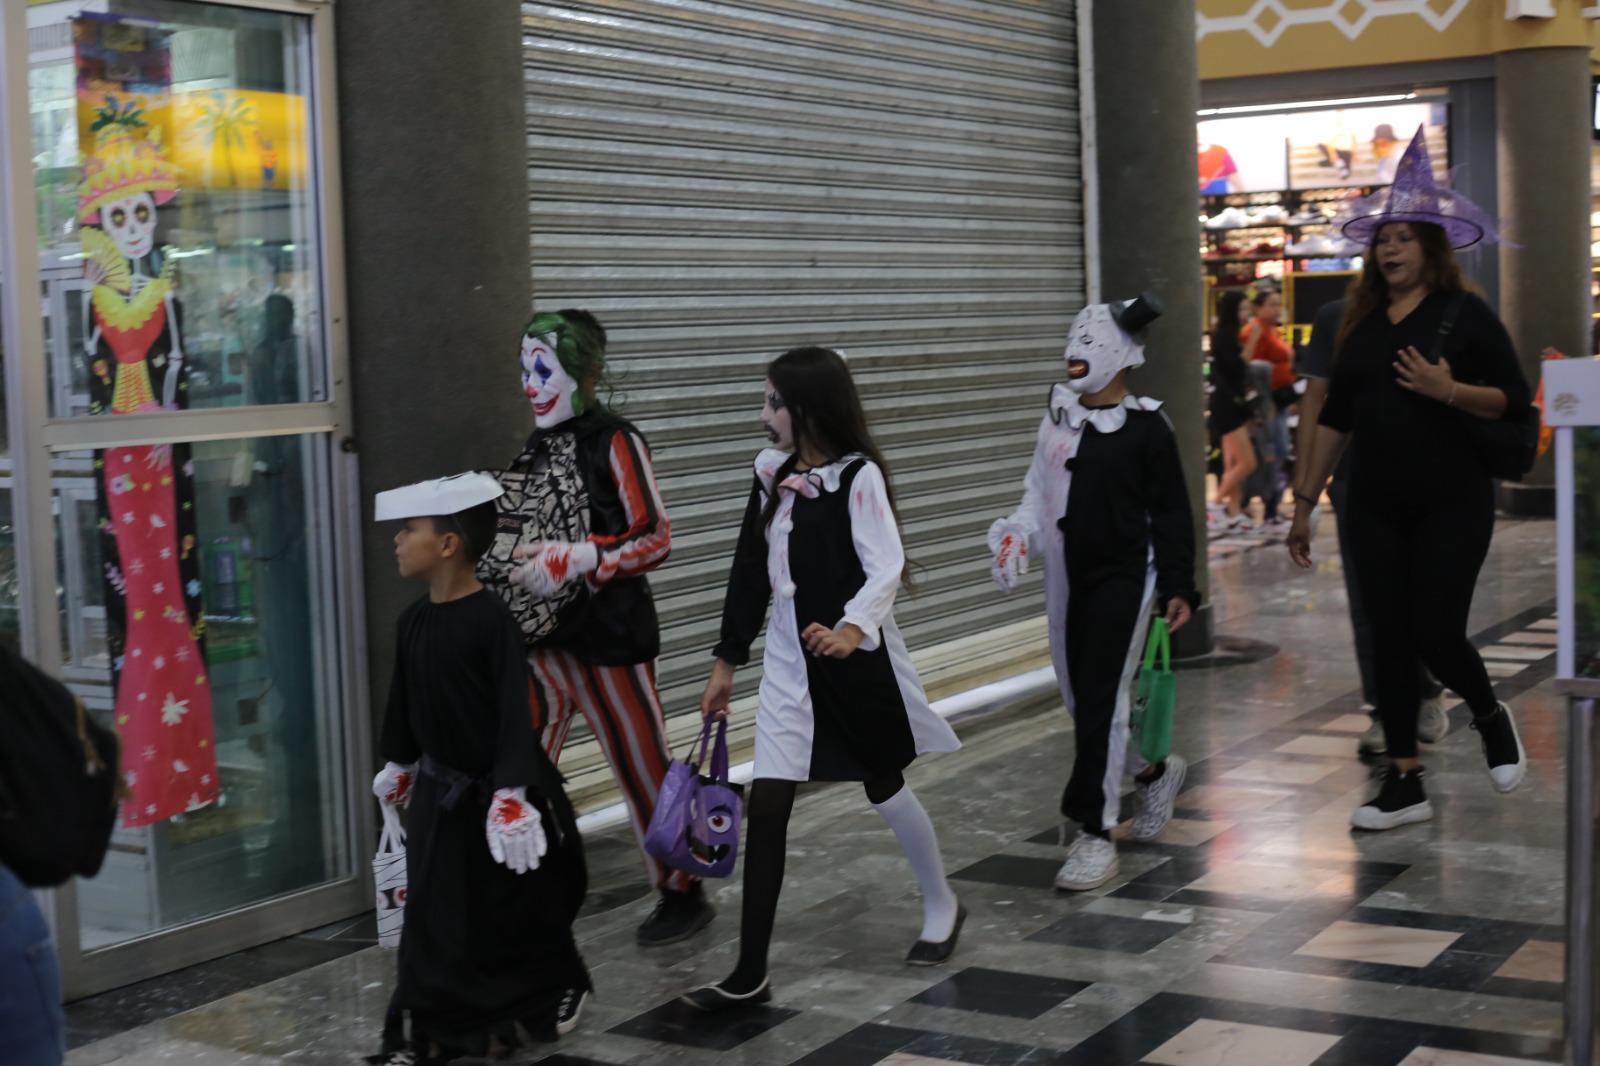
x=1258, y=932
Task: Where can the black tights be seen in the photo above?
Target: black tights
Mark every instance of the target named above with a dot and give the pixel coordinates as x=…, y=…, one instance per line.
x=1417, y=564
x=765, y=845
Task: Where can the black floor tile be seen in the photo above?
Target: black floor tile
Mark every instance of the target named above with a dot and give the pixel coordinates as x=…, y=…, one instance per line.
x=1017, y=871
x=675, y=1022
x=1108, y=932
x=1519, y=988
x=1016, y=995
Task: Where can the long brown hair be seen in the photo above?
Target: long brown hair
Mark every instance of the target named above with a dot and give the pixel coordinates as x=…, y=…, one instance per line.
x=1441, y=272
x=826, y=413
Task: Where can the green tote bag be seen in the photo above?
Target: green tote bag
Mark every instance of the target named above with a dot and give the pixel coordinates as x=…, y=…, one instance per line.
x=1155, y=695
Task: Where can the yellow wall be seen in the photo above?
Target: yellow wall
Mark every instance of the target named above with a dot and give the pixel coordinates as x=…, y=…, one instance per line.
x=1240, y=38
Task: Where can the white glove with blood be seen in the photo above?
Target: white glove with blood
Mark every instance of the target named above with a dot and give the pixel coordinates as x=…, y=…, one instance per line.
x=515, y=831
x=551, y=564
x=392, y=786
x=1009, y=542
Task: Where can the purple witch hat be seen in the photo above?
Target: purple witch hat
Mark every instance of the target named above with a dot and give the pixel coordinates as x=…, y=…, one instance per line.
x=1416, y=197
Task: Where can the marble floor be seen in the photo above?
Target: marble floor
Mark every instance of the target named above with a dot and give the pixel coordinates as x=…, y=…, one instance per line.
x=1260, y=931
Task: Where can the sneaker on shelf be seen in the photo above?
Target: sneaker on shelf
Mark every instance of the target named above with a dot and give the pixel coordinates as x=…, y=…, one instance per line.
x=1228, y=218
x=1306, y=218
x=1372, y=742
x=1432, y=721
x=1091, y=862
x=1153, y=801
x=1270, y=215
x=1400, y=801
x=1502, y=749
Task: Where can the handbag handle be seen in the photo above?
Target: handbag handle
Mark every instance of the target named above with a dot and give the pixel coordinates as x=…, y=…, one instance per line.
x=393, y=837
x=719, y=753
x=697, y=750
x=1160, y=640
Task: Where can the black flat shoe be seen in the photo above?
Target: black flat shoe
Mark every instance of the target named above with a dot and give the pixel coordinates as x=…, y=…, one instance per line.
x=712, y=998
x=927, y=953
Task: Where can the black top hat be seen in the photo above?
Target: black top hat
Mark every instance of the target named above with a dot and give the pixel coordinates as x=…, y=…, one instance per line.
x=1133, y=315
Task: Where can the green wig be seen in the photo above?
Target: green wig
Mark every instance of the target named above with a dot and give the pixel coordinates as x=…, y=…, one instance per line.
x=581, y=353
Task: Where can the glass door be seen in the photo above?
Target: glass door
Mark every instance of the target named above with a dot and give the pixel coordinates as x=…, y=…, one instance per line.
x=181, y=515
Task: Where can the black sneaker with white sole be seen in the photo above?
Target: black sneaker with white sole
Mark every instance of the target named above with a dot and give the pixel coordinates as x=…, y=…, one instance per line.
x=1503, y=752
x=570, y=1009
x=1400, y=801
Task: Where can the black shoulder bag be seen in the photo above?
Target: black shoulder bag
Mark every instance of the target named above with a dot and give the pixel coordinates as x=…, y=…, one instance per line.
x=1508, y=445
x=58, y=778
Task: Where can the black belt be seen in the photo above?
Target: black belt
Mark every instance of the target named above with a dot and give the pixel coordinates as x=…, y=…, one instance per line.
x=457, y=784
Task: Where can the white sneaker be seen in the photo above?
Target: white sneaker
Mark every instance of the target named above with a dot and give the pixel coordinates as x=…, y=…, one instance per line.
x=1372, y=742
x=1152, y=803
x=1091, y=862
x=1432, y=722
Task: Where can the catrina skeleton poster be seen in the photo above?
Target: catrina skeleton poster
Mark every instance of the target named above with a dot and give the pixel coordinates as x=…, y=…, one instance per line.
x=133, y=331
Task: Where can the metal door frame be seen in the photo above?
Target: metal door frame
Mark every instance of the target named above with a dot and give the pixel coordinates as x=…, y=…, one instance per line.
x=36, y=438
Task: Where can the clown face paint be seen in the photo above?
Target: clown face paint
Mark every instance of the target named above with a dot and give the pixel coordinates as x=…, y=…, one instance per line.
x=1098, y=350
x=777, y=420
x=131, y=224
x=548, y=386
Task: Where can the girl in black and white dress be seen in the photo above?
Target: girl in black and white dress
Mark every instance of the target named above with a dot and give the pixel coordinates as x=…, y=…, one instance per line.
x=839, y=699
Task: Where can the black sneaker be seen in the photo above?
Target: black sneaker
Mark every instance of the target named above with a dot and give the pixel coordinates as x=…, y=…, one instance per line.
x=1400, y=801
x=1502, y=749
x=678, y=916
x=570, y=1010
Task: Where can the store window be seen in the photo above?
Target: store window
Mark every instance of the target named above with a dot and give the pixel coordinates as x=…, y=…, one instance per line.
x=176, y=200
x=205, y=642
x=174, y=176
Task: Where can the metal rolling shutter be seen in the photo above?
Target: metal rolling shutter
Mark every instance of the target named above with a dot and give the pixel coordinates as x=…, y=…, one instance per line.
x=896, y=178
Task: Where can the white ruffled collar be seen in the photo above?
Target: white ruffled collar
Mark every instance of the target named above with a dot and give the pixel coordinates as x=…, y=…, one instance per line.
x=808, y=483
x=1068, y=405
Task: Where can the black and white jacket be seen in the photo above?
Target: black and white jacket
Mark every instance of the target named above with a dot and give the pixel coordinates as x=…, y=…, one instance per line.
x=832, y=554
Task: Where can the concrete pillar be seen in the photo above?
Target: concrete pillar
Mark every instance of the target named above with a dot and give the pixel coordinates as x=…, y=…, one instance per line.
x=434, y=146
x=1542, y=99
x=1146, y=87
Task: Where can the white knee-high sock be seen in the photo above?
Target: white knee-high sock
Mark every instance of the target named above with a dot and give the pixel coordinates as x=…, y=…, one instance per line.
x=912, y=827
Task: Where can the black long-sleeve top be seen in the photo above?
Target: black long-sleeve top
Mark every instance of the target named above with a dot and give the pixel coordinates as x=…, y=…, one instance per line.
x=1402, y=442
x=1128, y=497
x=460, y=693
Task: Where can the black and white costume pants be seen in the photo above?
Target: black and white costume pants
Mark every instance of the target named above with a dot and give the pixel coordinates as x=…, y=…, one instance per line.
x=1106, y=627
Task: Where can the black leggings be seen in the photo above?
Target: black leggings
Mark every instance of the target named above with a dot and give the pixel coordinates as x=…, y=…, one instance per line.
x=765, y=845
x=1417, y=563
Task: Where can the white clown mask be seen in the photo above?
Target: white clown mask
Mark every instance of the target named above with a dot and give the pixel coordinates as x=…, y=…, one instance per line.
x=1105, y=340
x=548, y=386
x=131, y=224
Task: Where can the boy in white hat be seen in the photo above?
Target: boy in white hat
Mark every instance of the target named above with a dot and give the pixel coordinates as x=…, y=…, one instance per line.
x=494, y=865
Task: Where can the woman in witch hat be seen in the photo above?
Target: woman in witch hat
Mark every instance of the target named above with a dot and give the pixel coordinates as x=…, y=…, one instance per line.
x=1417, y=360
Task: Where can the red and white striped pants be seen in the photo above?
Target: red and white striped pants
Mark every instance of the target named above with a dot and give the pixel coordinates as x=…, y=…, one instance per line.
x=623, y=711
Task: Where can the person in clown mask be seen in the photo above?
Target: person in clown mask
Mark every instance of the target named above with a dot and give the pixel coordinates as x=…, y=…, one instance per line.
x=581, y=524
x=1106, y=503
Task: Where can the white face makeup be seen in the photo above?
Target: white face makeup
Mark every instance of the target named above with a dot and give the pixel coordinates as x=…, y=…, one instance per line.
x=546, y=383
x=131, y=224
x=1097, y=350
x=776, y=419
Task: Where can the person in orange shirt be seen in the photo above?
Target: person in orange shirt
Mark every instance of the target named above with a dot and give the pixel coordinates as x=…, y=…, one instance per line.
x=1270, y=346
x=1262, y=338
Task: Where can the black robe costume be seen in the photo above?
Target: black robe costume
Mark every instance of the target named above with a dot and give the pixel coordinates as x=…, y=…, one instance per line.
x=483, y=948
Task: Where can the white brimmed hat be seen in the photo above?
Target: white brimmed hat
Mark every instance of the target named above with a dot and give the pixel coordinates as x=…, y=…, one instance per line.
x=441, y=496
